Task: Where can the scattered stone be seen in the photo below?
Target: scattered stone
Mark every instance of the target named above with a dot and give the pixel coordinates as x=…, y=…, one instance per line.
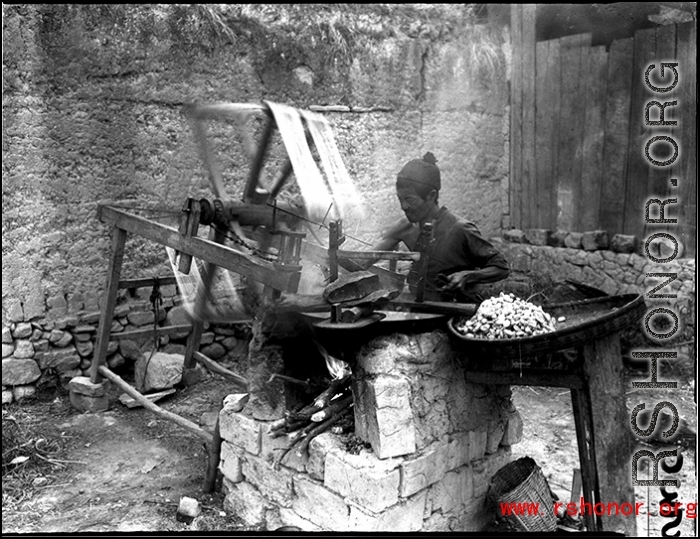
x=158, y=371
x=214, y=351
x=82, y=337
x=63, y=360
x=122, y=310
x=573, y=240
x=116, y=327
x=112, y=346
x=6, y=335
x=7, y=350
x=67, y=322
x=595, y=240
x=130, y=402
x=85, y=364
x=236, y=401
x=537, y=236
x=129, y=349
x=188, y=510
x=141, y=318
x=57, y=305
x=56, y=335
x=6, y=395
x=178, y=316
x=15, y=313
x=84, y=329
x=223, y=330
x=663, y=248
x=92, y=317
x=22, y=331
x=36, y=335
x=514, y=429
x=83, y=385
x=85, y=403
x=42, y=345
x=16, y=372
x=20, y=393
x=24, y=349
x=84, y=348
x=229, y=343
x=514, y=235
x=556, y=239
x=92, y=302
x=75, y=302
x=207, y=338
x=64, y=341
x=39, y=481
x=116, y=362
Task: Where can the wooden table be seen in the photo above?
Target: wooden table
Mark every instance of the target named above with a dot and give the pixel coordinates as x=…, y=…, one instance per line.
x=603, y=436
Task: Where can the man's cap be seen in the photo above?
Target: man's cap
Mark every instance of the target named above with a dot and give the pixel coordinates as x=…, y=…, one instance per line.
x=423, y=171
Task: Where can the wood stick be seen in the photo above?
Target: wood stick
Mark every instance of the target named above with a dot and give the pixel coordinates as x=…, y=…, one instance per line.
x=331, y=409
x=214, y=452
x=215, y=367
x=178, y=420
x=320, y=428
x=320, y=402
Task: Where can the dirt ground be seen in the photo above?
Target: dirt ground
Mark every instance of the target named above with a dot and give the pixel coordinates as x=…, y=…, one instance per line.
x=125, y=470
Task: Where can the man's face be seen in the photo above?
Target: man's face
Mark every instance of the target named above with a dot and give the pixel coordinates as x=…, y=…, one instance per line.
x=413, y=205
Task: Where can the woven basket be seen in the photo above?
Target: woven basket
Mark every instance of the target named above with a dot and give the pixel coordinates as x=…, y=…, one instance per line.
x=523, y=482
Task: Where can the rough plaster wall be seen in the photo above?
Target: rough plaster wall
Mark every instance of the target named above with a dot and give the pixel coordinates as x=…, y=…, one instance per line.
x=92, y=114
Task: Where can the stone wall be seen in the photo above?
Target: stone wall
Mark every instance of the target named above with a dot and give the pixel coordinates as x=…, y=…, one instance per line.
x=92, y=113
x=617, y=265
x=52, y=350
x=436, y=442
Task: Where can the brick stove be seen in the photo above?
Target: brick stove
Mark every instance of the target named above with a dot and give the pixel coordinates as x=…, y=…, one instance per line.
x=435, y=438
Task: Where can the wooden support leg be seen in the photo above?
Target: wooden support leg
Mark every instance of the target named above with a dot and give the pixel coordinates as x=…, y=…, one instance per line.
x=109, y=302
x=611, y=437
x=589, y=476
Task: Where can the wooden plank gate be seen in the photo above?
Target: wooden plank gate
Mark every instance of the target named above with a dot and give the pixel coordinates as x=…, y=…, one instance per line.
x=578, y=131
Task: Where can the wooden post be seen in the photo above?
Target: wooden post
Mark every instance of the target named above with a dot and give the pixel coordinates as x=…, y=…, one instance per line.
x=586, y=453
x=203, y=294
x=189, y=224
x=422, y=264
x=334, y=241
x=109, y=302
x=611, y=439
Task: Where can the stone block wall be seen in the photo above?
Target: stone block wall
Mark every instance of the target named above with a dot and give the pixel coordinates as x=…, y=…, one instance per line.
x=60, y=346
x=436, y=442
x=618, y=265
x=92, y=114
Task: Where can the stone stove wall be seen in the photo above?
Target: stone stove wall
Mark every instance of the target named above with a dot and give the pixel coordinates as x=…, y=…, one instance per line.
x=436, y=441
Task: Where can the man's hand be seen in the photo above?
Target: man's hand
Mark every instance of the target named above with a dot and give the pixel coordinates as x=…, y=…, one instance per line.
x=455, y=281
x=461, y=280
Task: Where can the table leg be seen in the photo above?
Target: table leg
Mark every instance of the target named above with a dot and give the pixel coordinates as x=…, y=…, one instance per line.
x=109, y=302
x=589, y=473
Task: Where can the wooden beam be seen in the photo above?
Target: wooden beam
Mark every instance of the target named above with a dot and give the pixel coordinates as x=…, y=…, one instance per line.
x=109, y=302
x=219, y=111
x=529, y=187
x=218, y=369
x=543, y=379
x=617, y=132
x=383, y=255
x=592, y=176
x=143, y=401
x=148, y=281
x=515, y=189
x=137, y=333
x=220, y=255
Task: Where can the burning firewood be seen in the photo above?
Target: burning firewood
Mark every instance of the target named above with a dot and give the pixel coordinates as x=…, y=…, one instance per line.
x=337, y=406
x=303, y=437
